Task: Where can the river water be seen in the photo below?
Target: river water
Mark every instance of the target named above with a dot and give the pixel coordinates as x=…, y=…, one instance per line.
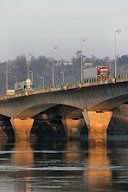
x=55, y=166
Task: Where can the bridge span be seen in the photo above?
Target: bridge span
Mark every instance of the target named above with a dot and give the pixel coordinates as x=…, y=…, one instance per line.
x=94, y=100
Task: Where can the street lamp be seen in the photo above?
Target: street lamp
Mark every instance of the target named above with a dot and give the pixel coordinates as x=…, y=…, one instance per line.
x=14, y=76
x=32, y=75
x=109, y=62
x=55, y=47
x=117, y=31
x=62, y=72
x=28, y=66
x=42, y=80
x=82, y=40
x=8, y=61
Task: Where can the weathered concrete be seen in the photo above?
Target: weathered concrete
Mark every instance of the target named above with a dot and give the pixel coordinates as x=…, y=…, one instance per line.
x=95, y=96
x=22, y=128
x=97, y=123
x=73, y=127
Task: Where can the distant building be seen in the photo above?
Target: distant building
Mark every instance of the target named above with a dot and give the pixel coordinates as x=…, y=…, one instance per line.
x=88, y=64
x=68, y=63
x=58, y=63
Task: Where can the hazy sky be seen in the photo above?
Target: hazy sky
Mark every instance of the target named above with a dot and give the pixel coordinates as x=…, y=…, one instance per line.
x=35, y=26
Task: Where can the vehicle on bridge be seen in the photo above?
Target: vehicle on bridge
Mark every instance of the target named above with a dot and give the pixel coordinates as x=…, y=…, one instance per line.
x=24, y=85
x=10, y=92
x=99, y=72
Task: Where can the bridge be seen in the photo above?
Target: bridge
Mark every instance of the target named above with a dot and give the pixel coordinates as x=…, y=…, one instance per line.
x=94, y=100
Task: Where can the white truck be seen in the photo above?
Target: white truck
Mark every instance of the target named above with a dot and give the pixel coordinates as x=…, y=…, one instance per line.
x=19, y=86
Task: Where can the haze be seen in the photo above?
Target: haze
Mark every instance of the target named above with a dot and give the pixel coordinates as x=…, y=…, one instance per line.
x=35, y=26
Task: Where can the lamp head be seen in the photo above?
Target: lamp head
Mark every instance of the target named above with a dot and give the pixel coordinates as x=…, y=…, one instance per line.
x=9, y=60
x=84, y=39
x=55, y=47
x=118, y=30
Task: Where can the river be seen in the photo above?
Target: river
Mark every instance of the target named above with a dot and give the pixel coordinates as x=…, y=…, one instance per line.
x=55, y=166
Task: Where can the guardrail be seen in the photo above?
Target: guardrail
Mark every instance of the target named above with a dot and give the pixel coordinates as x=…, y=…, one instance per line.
x=71, y=84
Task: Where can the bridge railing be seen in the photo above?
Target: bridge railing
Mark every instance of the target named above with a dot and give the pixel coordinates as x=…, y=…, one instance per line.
x=69, y=85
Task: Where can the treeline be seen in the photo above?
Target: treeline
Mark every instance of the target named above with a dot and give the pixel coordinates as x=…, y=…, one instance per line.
x=42, y=67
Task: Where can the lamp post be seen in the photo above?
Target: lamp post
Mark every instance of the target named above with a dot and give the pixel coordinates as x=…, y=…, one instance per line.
x=117, y=31
x=42, y=80
x=82, y=40
x=28, y=66
x=32, y=75
x=109, y=62
x=55, y=47
x=14, y=76
x=8, y=61
x=62, y=72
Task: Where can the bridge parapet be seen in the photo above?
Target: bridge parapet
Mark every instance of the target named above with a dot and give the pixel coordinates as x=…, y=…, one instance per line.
x=68, y=86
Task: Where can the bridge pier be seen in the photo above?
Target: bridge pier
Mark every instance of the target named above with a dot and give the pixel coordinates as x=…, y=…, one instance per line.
x=22, y=128
x=97, y=123
x=73, y=127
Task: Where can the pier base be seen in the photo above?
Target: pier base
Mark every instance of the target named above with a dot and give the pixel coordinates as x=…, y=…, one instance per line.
x=97, y=123
x=73, y=127
x=22, y=128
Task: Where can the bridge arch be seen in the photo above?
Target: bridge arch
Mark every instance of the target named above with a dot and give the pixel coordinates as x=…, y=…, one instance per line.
x=30, y=112
x=110, y=104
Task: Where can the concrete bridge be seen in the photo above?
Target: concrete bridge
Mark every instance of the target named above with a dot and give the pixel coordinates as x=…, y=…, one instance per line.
x=94, y=100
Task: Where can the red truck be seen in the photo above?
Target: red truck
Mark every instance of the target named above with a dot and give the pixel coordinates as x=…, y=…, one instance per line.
x=100, y=72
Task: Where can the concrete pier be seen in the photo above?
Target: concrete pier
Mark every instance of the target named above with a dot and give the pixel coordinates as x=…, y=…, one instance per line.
x=73, y=127
x=97, y=123
x=22, y=128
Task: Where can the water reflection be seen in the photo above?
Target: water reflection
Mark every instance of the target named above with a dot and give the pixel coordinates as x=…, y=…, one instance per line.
x=99, y=172
x=52, y=166
x=3, y=136
x=72, y=149
x=22, y=158
x=22, y=154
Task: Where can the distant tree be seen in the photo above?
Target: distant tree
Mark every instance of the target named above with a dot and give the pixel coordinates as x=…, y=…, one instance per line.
x=78, y=54
x=41, y=66
x=123, y=60
x=122, y=64
x=20, y=66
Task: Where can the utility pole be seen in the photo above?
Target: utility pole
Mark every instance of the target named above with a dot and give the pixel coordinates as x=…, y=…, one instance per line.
x=53, y=73
x=82, y=40
x=7, y=62
x=62, y=72
x=117, y=31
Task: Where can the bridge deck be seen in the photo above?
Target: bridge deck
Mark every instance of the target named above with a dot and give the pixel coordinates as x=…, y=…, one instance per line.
x=66, y=86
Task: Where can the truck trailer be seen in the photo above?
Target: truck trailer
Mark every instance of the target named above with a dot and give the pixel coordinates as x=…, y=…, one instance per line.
x=96, y=72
